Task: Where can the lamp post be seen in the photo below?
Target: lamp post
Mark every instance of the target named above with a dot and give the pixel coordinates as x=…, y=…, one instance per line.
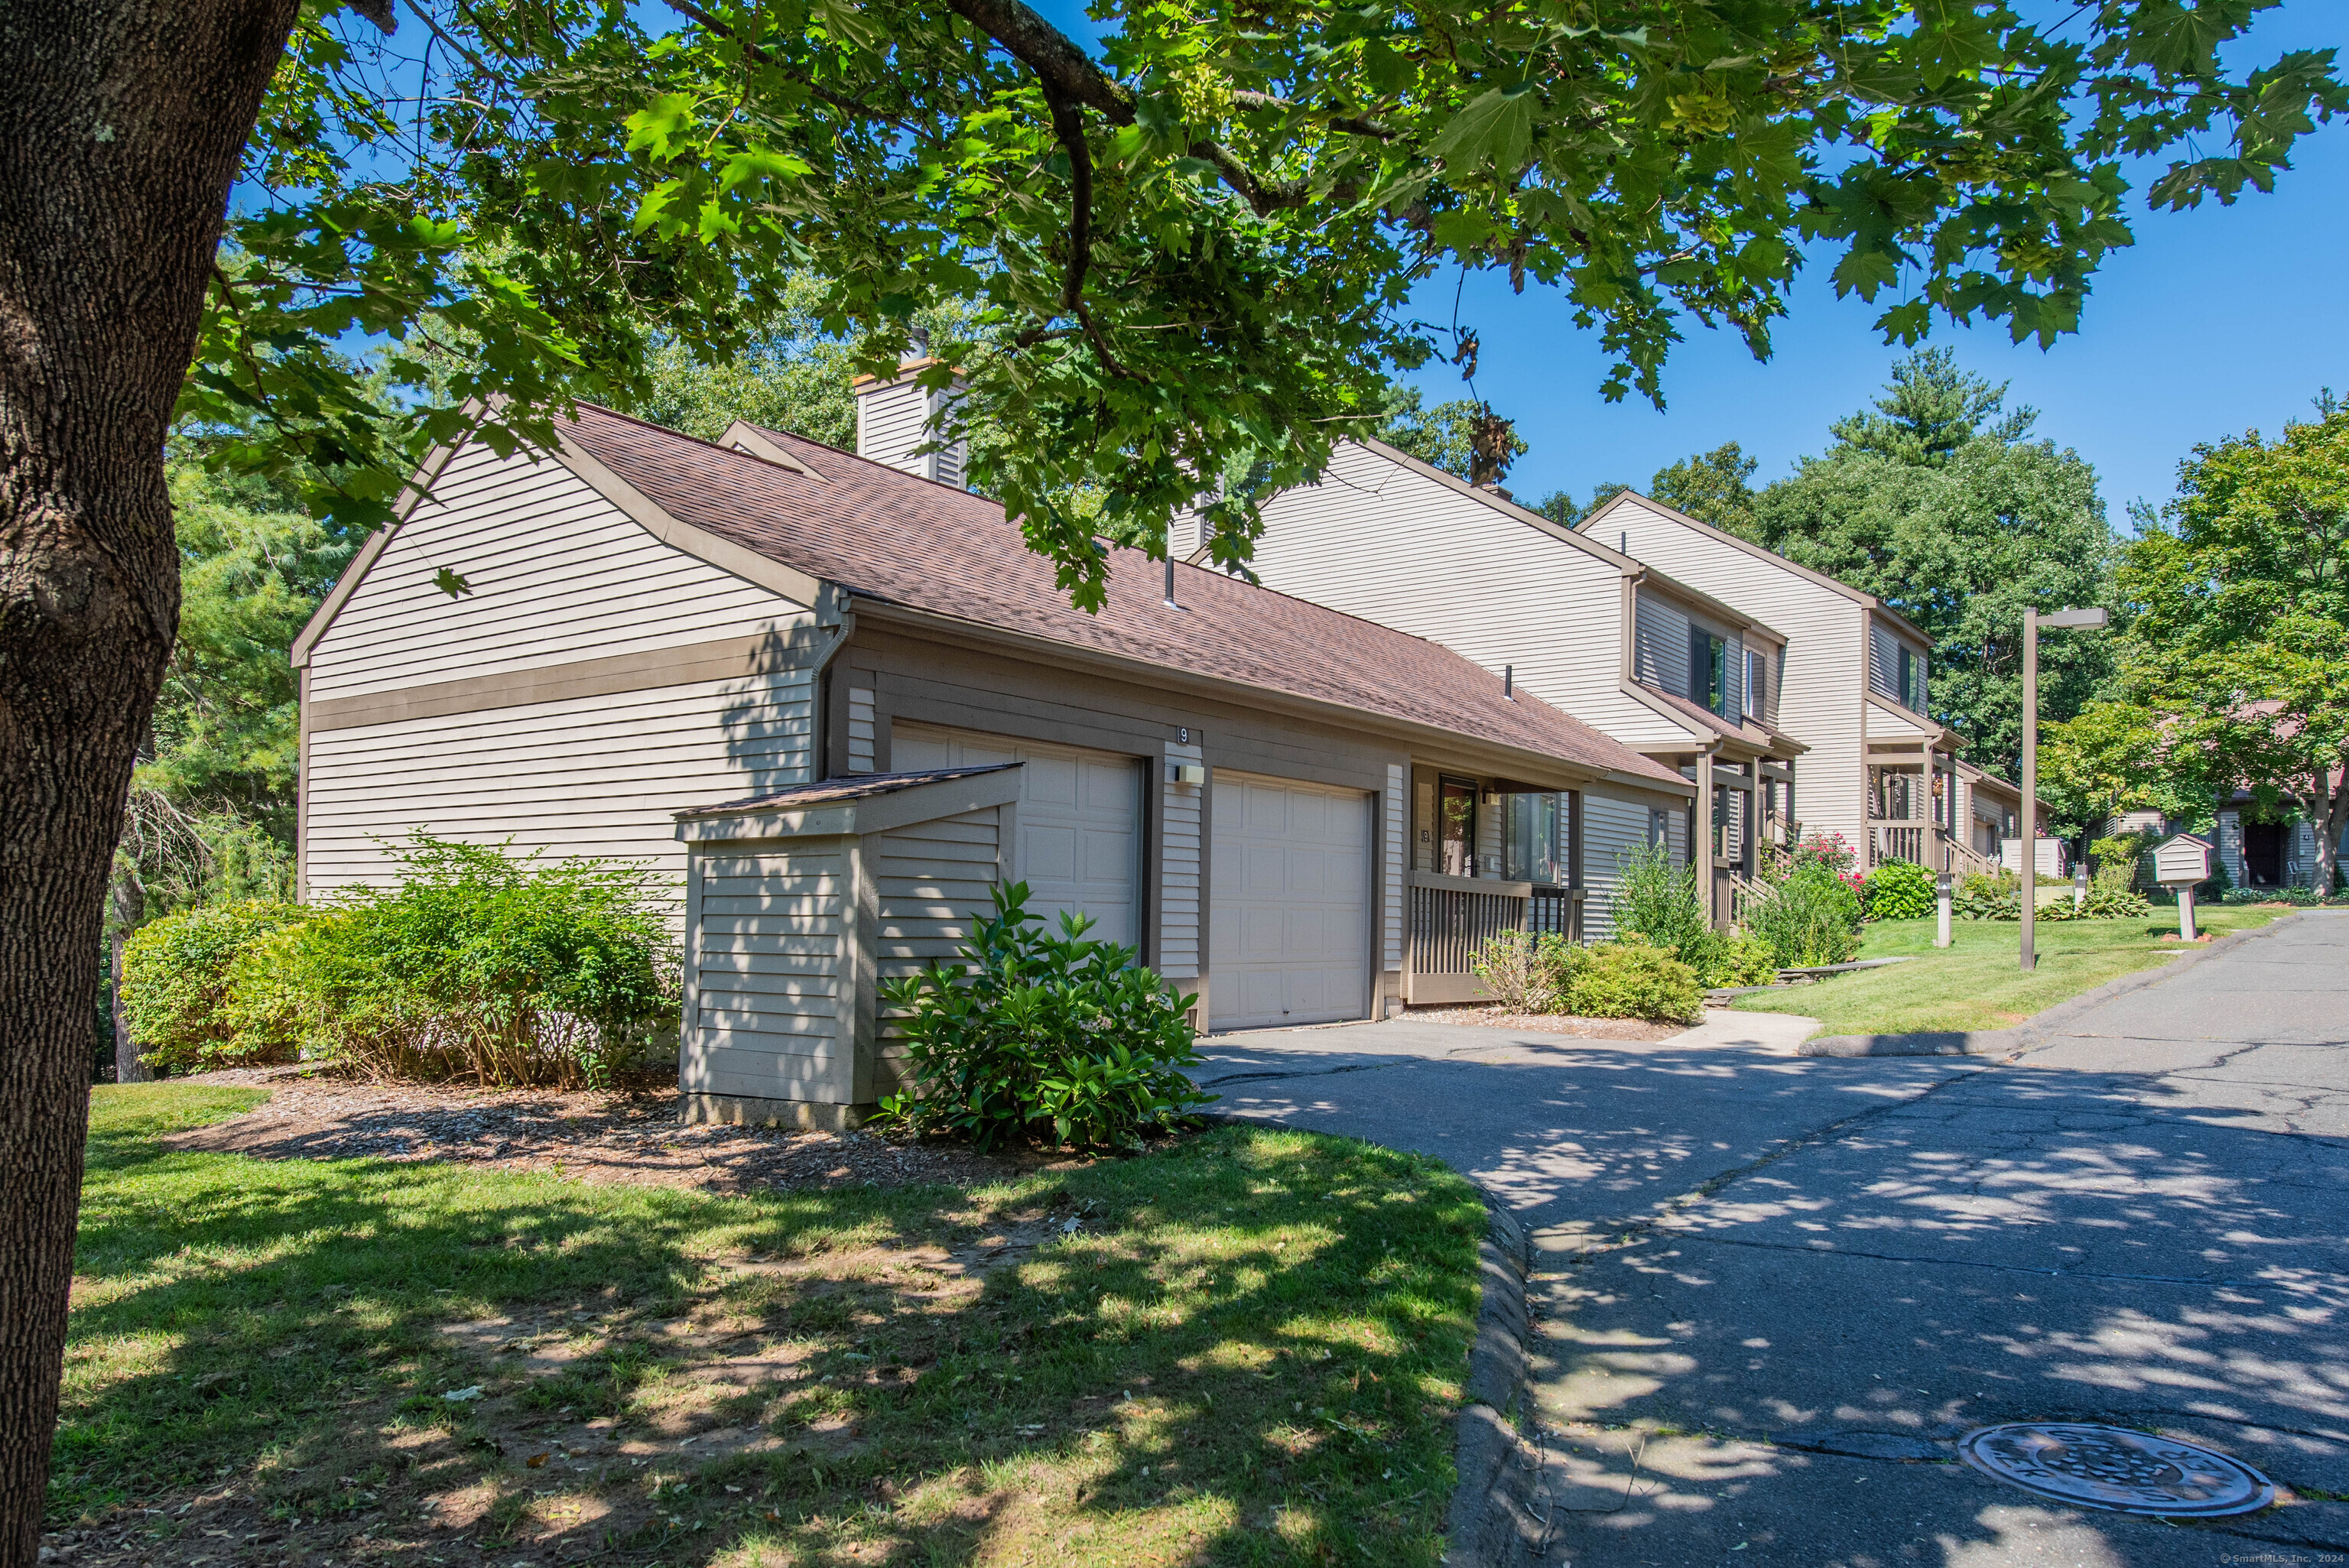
x=2085, y=620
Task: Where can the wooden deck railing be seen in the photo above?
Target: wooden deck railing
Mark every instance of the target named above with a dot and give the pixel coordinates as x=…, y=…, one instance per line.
x=1451, y=919
x=1554, y=910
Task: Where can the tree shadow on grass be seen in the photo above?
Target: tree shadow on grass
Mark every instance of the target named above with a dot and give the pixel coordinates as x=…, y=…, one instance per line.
x=1245, y=1348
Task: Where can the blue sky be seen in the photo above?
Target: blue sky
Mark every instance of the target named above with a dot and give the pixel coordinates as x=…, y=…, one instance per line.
x=2218, y=321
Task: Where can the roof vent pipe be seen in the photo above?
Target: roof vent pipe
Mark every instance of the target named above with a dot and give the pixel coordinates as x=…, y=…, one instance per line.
x=1509, y=682
x=1623, y=542
x=1170, y=579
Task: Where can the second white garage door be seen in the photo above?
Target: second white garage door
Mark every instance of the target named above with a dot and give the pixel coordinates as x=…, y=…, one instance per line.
x=1079, y=845
x=1289, y=932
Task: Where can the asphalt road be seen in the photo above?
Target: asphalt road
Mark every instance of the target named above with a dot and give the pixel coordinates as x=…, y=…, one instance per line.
x=2145, y=1223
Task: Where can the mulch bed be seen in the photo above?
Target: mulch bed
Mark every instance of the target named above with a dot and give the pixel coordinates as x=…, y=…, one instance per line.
x=1493, y=1018
x=626, y=1134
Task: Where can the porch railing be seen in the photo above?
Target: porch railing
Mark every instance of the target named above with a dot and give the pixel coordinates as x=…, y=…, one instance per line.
x=1554, y=910
x=1451, y=919
x=1897, y=841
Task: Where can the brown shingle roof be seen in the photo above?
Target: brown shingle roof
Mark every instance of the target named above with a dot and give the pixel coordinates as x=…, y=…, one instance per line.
x=893, y=537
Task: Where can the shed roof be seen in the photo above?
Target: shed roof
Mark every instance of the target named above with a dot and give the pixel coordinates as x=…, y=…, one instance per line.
x=893, y=538
x=834, y=791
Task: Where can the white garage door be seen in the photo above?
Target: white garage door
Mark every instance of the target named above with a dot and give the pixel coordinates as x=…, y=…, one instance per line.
x=1079, y=843
x=1288, y=938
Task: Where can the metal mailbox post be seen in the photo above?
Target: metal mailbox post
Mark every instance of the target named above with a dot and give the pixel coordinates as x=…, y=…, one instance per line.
x=2182, y=863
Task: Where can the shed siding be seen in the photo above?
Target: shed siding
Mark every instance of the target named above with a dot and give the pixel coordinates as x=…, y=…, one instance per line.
x=935, y=881
x=555, y=573
x=1377, y=540
x=766, y=975
x=598, y=776
x=1819, y=691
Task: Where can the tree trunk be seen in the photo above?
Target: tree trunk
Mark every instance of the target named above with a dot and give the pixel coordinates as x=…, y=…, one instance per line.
x=2332, y=815
x=130, y=904
x=121, y=124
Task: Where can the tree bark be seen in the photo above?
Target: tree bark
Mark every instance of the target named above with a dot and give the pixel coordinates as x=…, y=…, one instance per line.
x=121, y=124
x=2332, y=815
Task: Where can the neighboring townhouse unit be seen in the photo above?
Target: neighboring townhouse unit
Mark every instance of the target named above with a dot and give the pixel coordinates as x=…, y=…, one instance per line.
x=1880, y=771
x=852, y=701
x=1674, y=673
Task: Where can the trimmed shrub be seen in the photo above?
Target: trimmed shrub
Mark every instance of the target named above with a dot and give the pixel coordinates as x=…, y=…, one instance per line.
x=1029, y=1032
x=1899, y=890
x=1812, y=916
x=1634, y=978
x=2001, y=898
x=176, y=981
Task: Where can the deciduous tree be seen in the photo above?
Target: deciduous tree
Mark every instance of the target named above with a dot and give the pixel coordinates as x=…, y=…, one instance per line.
x=2238, y=639
x=1936, y=501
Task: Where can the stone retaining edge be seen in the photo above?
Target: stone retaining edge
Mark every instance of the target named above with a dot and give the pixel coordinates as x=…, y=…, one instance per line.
x=2035, y=1031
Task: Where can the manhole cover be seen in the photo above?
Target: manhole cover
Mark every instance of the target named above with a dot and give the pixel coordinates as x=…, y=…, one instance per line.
x=2105, y=1467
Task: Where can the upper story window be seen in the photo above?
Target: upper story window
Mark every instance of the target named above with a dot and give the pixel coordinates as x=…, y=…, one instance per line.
x=1709, y=670
x=1911, y=678
x=1757, y=680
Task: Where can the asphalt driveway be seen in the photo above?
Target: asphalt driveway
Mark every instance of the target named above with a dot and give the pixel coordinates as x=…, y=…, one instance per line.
x=1771, y=1288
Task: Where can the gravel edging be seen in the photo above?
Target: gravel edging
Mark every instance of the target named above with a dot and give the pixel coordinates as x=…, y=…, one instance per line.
x=1493, y=1520
x=2035, y=1032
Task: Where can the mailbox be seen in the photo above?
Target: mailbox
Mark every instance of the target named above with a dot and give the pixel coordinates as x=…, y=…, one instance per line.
x=2181, y=861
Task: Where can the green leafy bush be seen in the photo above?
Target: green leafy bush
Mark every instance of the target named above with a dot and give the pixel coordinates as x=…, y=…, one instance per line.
x=1745, y=960
x=176, y=978
x=478, y=964
x=1634, y=978
x=1810, y=916
x=2001, y=898
x=1657, y=899
x=1029, y=1032
x=1899, y=890
x=1527, y=972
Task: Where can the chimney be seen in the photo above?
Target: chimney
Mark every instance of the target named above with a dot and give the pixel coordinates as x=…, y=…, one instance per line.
x=893, y=422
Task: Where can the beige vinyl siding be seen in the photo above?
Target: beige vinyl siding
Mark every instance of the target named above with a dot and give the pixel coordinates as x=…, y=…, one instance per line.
x=1395, y=828
x=934, y=881
x=768, y=997
x=1821, y=688
x=860, y=729
x=1612, y=827
x=1661, y=654
x=889, y=421
x=1883, y=724
x=599, y=775
x=1178, y=955
x=1884, y=666
x=556, y=572
x=1377, y=540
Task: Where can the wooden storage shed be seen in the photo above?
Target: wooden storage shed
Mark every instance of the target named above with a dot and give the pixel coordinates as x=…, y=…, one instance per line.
x=798, y=904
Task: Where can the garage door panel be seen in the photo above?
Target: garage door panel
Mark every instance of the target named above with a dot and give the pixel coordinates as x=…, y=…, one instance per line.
x=1079, y=845
x=1289, y=932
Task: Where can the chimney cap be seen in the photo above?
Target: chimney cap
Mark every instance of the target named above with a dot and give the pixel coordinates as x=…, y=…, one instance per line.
x=863, y=384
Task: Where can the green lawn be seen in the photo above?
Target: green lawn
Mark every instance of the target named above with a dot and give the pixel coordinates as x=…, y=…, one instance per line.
x=1977, y=983
x=1249, y=1350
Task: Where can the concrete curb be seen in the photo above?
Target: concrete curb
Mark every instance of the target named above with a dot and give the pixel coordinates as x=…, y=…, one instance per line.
x=1494, y=1522
x=2036, y=1031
